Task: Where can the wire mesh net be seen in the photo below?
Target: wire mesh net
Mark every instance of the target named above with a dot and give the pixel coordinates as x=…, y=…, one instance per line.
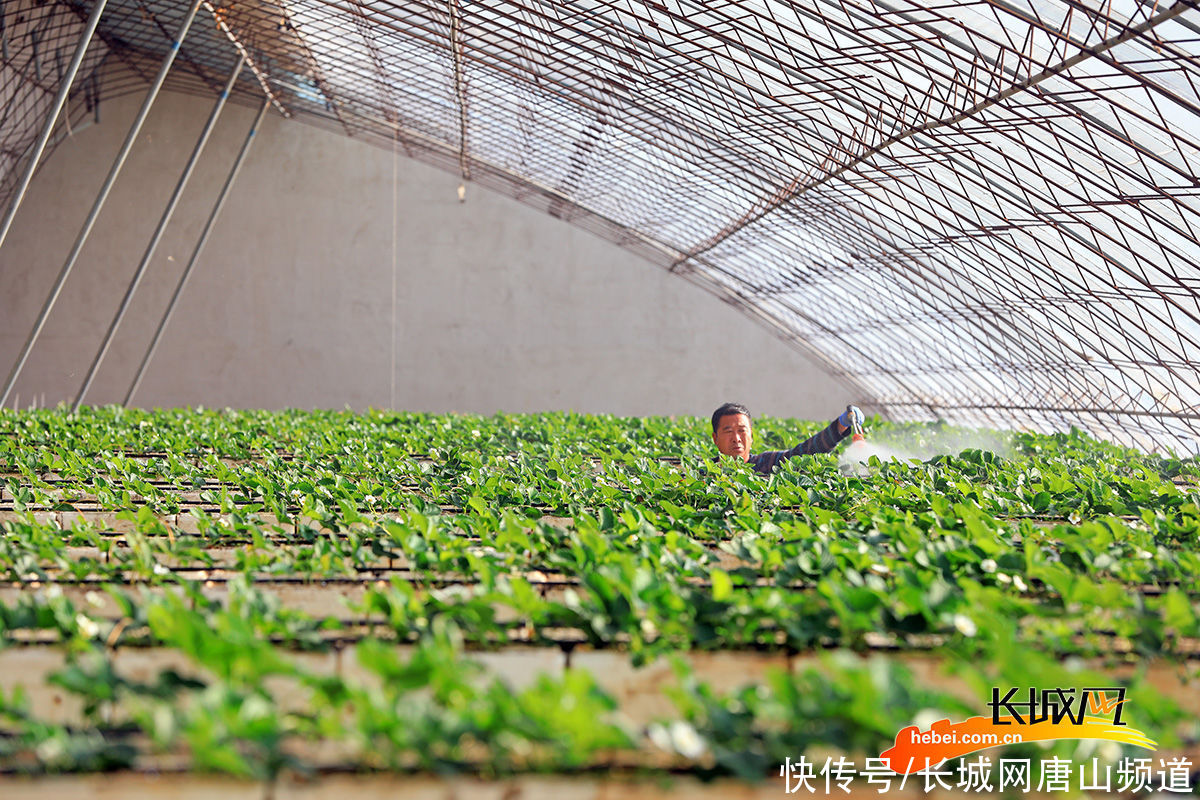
x=984, y=212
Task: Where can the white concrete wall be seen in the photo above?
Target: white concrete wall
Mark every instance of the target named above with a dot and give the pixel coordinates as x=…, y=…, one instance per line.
x=498, y=307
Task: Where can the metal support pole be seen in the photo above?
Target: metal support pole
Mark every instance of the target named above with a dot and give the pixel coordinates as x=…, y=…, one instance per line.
x=100, y=198
x=187, y=271
x=60, y=100
x=168, y=212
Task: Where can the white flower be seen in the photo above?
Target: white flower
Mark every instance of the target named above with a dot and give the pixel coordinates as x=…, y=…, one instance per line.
x=926, y=717
x=686, y=741
x=658, y=734
x=1145, y=554
x=1004, y=577
x=988, y=565
x=880, y=569
x=1085, y=748
x=255, y=707
x=965, y=625
x=1110, y=752
x=51, y=750
x=87, y=626
x=160, y=570
x=1020, y=584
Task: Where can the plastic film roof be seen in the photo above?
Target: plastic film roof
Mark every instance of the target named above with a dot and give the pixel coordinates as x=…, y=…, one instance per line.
x=986, y=212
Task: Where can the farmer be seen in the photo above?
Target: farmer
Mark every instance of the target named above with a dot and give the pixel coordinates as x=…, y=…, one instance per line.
x=732, y=434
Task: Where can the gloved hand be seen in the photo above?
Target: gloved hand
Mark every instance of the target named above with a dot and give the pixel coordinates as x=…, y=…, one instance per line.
x=851, y=418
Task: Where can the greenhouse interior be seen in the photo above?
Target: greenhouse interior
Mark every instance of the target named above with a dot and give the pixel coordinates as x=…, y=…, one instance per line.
x=389, y=462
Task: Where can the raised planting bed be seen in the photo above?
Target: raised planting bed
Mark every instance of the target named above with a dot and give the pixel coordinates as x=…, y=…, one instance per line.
x=301, y=597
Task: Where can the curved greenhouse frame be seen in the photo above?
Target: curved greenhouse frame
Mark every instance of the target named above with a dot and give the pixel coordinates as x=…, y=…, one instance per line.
x=983, y=211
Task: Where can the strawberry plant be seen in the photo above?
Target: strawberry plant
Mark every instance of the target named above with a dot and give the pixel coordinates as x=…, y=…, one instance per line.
x=243, y=541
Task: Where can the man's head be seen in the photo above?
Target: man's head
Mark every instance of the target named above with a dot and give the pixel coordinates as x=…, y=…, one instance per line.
x=732, y=432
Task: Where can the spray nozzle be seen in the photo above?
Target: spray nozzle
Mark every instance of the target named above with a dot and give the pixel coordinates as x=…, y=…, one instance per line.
x=856, y=430
x=854, y=459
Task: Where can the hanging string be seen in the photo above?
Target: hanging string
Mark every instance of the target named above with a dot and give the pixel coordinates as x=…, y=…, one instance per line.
x=460, y=92
x=395, y=233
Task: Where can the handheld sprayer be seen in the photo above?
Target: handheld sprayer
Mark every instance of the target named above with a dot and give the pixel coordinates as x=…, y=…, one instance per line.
x=856, y=433
x=854, y=459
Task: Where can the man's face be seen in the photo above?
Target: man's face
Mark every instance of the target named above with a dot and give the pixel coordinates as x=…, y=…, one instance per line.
x=733, y=436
